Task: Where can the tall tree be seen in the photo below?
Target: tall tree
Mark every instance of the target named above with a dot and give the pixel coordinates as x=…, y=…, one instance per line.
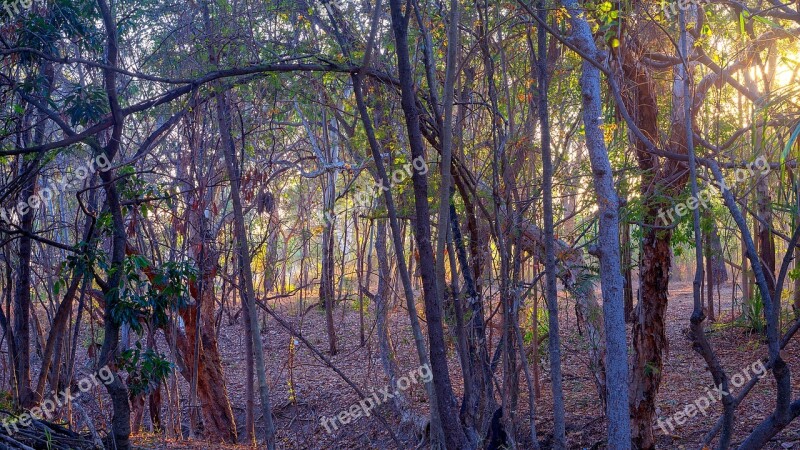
x=454, y=435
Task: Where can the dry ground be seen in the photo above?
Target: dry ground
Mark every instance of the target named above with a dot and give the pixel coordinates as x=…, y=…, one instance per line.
x=320, y=392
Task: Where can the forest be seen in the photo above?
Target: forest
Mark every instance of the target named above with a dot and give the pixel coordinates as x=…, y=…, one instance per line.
x=399, y=224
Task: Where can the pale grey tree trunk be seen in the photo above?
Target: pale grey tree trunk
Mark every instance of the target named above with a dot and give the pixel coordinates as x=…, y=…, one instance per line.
x=381, y=299
x=619, y=432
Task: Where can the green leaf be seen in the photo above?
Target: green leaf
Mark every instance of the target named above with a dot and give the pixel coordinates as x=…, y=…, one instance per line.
x=790, y=143
x=741, y=23
x=766, y=21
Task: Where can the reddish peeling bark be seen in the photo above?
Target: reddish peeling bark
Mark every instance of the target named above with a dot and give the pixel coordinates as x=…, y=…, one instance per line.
x=660, y=180
x=212, y=391
x=649, y=337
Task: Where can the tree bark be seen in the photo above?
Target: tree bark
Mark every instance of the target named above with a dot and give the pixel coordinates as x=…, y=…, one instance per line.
x=21, y=356
x=608, y=249
x=453, y=433
x=117, y=390
x=627, y=269
x=551, y=288
x=246, y=274
x=327, y=296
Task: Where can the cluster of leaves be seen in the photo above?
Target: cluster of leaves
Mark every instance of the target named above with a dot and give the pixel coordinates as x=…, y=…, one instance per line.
x=85, y=104
x=80, y=262
x=148, y=296
x=149, y=299
x=133, y=187
x=753, y=313
x=608, y=18
x=146, y=369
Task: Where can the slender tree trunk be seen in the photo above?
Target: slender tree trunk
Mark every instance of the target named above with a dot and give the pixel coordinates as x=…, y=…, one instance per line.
x=766, y=240
x=21, y=357
x=797, y=283
x=445, y=192
x=326, y=292
x=627, y=268
x=382, y=299
x=117, y=390
x=608, y=249
x=701, y=344
x=245, y=270
x=709, y=310
x=250, y=373
x=360, y=251
x=718, y=273
x=745, y=275
x=479, y=400
x=551, y=287
x=453, y=433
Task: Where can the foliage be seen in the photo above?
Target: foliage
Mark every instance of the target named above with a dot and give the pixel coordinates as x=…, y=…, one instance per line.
x=146, y=369
x=753, y=313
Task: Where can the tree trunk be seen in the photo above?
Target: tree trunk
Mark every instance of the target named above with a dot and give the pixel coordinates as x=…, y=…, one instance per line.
x=326, y=292
x=627, y=269
x=245, y=270
x=551, y=287
x=649, y=331
x=797, y=283
x=212, y=391
x=397, y=238
x=24, y=395
x=21, y=355
x=709, y=272
x=453, y=433
x=766, y=240
x=608, y=248
x=745, y=275
x=117, y=390
x=382, y=299
x=717, y=272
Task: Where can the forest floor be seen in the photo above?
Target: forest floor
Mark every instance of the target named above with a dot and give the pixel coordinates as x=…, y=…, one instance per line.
x=321, y=392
